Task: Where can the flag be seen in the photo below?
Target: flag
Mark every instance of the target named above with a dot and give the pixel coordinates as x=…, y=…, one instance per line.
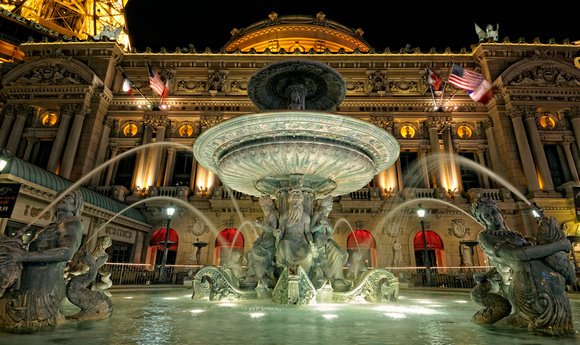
x=166, y=89
x=432, y=79
x=478, y=88
x=155, y=81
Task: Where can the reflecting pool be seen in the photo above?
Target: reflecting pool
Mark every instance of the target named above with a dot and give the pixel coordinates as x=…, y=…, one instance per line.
x=172, y=317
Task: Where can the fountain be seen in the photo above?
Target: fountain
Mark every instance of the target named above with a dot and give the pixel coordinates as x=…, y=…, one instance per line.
x=301, y=157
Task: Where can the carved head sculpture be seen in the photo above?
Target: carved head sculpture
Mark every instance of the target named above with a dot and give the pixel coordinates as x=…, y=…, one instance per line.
x=267, y=203
x=486, y=211
x=326, y=205
x=103, y=242
x=296, y=209
x=76, y=199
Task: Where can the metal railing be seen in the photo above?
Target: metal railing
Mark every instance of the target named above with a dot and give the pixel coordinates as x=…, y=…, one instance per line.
x=442, y=277
x=143, y=274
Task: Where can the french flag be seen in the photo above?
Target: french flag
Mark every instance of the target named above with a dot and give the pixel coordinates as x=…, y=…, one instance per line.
x=478, y=88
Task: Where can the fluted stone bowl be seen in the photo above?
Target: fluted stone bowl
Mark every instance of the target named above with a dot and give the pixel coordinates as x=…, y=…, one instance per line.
x=259, y=153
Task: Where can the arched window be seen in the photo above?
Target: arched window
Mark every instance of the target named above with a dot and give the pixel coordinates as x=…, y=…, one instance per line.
x=157, y=243
x=364, y=241
x=228, y=240
x=435, y=249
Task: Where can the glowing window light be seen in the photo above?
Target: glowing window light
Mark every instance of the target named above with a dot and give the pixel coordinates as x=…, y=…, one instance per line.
x=464, y=132
x=407, y=132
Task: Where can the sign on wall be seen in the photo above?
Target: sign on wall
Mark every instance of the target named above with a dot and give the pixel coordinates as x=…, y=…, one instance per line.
x=8, y=195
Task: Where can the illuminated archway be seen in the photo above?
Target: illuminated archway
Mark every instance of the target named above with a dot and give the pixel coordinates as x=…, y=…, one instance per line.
x=228, y=240
x=435, y=249
x=364, y=241
x=156, y=244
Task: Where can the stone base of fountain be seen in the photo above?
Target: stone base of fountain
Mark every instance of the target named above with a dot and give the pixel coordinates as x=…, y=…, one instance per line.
x=294, y=287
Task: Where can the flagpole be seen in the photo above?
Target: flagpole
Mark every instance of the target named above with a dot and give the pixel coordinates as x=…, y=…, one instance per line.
x=152, y=91
x=450, y=98
x=133, y=85
x=430, y=86
x=445, y=83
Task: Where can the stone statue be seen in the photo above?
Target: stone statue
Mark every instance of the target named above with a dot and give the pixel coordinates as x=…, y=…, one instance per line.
x=293, y=238
x=296, y=94
x=84, y=291
x=488, y=33
x=357, y=266
x=466, y=257
x=538, y=303
x=233, y=266
x=10, y=273
x=260, y=258
x=35, y=302
x=330, y=257
x=398, y=255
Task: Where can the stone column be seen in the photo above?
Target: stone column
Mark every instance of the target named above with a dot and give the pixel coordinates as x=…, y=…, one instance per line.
x=193, y=174
x=530, y=117
x=570, y=158
x=453, y=178
x=481, y=158
x=22, y=112
x=6, y=125
x=423, y=164
x=433, y=125
x=574, y=115
x=103, y=145
x=169, y=166
x=73, y=140
x=111, y=168
x=142, y=156
x=526, y=157
x=492, y=147
x=30, y=141
x=58, y=146
x=162, y=124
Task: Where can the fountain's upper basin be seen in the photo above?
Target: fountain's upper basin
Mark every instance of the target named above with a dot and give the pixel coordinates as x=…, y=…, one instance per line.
x=327, y=149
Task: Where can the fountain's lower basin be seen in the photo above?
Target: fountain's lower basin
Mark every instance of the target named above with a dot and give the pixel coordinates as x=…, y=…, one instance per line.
x=172, y=317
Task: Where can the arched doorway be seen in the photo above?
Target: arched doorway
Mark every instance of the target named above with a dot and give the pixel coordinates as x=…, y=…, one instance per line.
x=435, y=249
x=156, y=244
x=364, y=241
x=228, y=239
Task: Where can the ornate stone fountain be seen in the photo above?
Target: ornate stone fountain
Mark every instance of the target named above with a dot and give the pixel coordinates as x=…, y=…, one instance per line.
x=301, y=156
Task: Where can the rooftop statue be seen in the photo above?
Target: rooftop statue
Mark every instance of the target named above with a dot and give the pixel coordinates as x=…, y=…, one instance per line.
x=35, y=301
x=529, y=279
x=488, y=33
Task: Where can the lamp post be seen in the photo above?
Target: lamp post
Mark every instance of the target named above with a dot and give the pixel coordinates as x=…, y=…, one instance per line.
x=421, y=213
x=170, y=211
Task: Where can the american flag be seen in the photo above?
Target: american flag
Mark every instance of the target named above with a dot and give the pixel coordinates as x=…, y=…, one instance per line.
x=464, y=78
x=155, y=81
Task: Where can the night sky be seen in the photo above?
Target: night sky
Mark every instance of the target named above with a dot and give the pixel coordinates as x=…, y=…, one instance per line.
x=393, y=24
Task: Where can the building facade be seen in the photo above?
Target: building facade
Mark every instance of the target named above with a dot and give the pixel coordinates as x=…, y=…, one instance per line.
x=64, y=111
